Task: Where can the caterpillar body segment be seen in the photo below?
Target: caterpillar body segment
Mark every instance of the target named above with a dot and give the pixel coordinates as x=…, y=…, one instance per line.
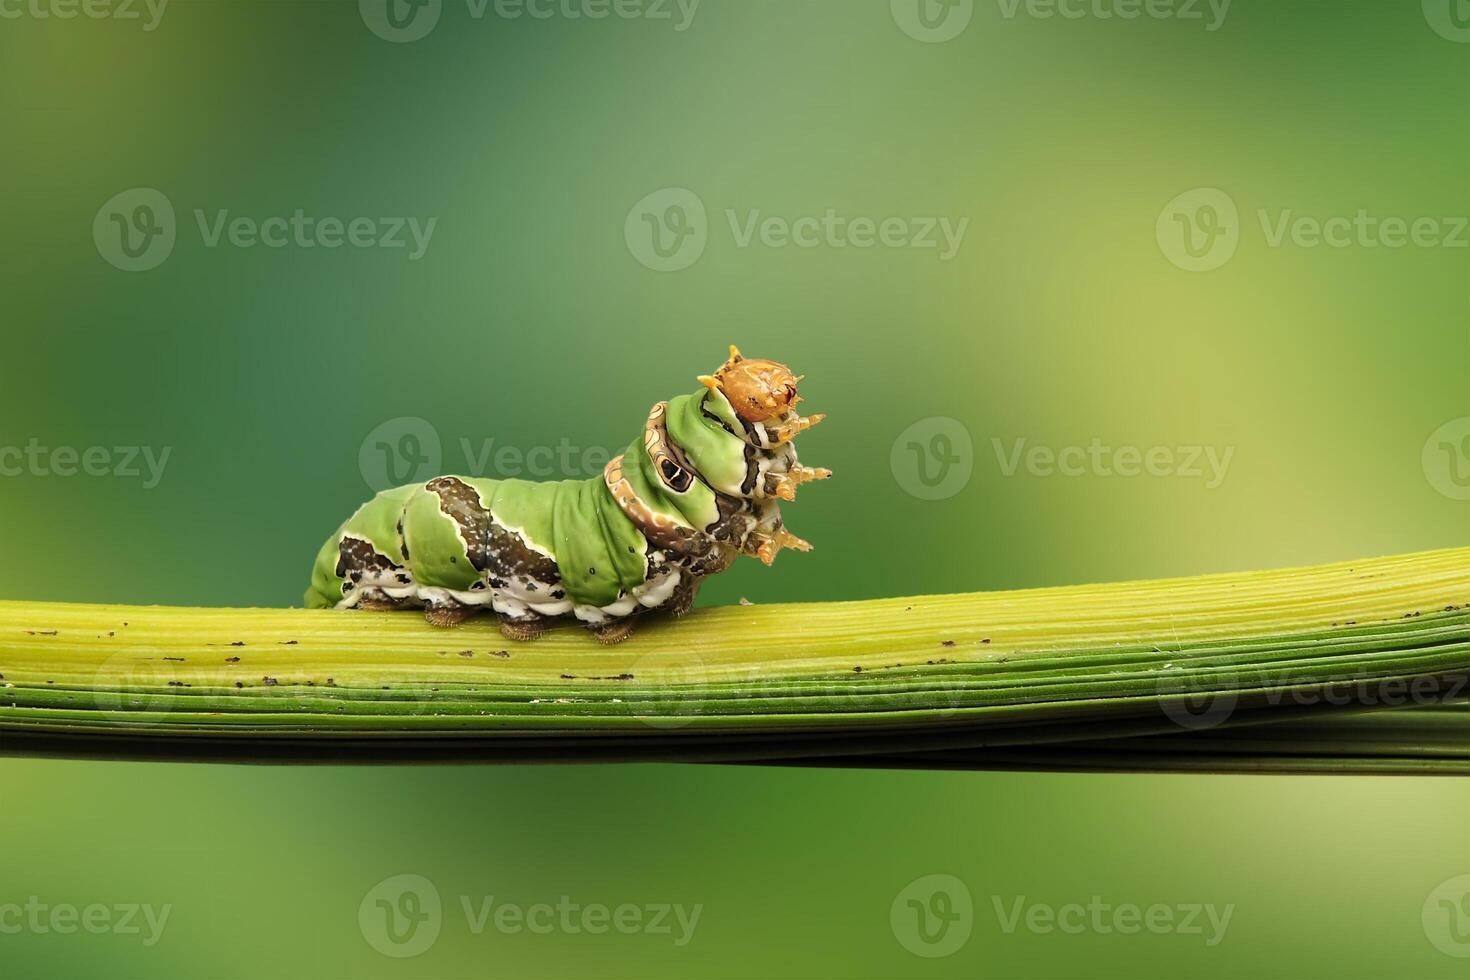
x=699, y=486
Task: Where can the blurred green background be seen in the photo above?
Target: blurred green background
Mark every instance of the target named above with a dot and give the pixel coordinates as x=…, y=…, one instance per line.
x=1101, y=167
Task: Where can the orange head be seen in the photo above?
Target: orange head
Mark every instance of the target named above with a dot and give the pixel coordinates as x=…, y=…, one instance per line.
x=758, y=390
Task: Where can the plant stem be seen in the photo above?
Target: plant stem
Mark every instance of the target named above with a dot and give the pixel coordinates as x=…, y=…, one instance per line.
x=1163, y=662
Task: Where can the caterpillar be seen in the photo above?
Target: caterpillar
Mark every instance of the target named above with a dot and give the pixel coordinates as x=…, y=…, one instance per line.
x=698, y=487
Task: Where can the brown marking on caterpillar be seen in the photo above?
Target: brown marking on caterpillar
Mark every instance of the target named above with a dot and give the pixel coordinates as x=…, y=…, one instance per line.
x=489, y=545
x=661, y=530
x=355, y=556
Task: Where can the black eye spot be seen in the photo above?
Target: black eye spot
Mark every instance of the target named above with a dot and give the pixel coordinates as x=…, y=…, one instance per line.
x=675, y=476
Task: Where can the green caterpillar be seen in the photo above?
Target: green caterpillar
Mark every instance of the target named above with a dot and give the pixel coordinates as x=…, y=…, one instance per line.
x=697, y=488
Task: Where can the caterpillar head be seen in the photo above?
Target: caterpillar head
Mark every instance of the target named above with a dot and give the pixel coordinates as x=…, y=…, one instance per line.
x=758, y=390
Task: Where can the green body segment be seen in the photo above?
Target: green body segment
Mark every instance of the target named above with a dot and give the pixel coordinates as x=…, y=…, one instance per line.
x=716, y=453
x=599, y=552
x=713, y=450
x=437, y=556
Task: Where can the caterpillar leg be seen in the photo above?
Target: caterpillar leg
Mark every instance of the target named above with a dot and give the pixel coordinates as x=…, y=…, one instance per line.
x=376, y=600
x=449, y=613
x=614, y=631
x=522, y=629
x=683, y=598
